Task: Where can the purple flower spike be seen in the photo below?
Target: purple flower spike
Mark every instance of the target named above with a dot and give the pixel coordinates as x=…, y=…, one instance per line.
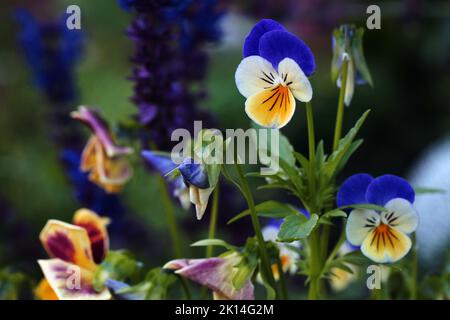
x=214, y=273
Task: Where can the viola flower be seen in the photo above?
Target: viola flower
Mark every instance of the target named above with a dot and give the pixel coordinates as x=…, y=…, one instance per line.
x=192, y=181
x=347, y=44
x=214, y=273
x=383, y=236
x=288, y=256
x=274, y=70
x=340, y=278
x=102, y=158
x=78, y=246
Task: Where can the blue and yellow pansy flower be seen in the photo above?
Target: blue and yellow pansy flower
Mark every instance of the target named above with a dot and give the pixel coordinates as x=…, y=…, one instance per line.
x=383, y=236
x=273, y=73
x=105, y=161
x=80, y=246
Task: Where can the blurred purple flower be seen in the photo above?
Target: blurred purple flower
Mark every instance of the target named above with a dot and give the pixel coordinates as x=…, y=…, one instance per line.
x=168, y=59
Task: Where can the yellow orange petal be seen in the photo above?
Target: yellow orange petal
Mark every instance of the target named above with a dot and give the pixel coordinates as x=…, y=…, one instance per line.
x=271, y=108
x=67, y=242
x=96, y=229
x=385, y=244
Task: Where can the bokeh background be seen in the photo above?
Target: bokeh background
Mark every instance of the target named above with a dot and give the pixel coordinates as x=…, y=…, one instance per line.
x=409, y=59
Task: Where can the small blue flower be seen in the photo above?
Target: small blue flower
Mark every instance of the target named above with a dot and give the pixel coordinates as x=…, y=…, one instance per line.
x=381, y=235
x=273, y=73
x=347, y=44
x=191, y=185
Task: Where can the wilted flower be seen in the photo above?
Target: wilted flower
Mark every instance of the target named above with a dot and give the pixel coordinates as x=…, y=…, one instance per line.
x=274, y=70
x=347, y=44
x=383, y=236
x=288, y=256
x=72, y=247
x=101, y=157
x=191, y=184
x=216, y=274
x=340, y=278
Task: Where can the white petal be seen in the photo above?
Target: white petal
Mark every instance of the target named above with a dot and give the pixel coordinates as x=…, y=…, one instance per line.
x=356, y=230
x=250, y=74
x=270, y=233
x=294, y=77
x=401, y=215
x=350, y=86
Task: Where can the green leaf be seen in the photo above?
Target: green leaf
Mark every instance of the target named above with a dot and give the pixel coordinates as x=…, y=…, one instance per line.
x=13, y=285
x=296, y=227
x=368, y=206
x=247, y=264
x=335, y=214
x=213, y=242
x=419, y=190
x=270, y=291
x=341, y=155
x=268, y=209
x=118, y=265
x=154, y=287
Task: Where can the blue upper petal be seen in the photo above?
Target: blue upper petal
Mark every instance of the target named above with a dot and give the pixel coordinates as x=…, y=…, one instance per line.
x=385, y=188
x=194, y=173
x=159, y=162
x=276, y=45
x=353, y=190
x=251, y=44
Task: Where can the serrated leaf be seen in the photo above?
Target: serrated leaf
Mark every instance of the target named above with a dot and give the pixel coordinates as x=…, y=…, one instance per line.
x=268, y=209
x=296, y=227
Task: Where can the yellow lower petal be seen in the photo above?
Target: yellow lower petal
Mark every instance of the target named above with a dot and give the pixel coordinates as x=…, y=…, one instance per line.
x=271, y=108
x=44, y=291
x=385, y=244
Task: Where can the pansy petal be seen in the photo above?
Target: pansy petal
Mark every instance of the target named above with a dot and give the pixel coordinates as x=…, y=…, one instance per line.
x=255, y=74
x=251, y=44
x=385, y=244
x=199, y=197
x=194, y=173
x=359, y=224
x=44, y=291
x=276, y=45
x=100, y=129
x=271, y=108
x=214, y=273
x=400, y=215
x=385, y=188
x=353, y=190
x=270, y=233
x=340, y=279
x=160, y=162
x=295, y=79
x=67, y=242
x=96, y=229
x=70, y=282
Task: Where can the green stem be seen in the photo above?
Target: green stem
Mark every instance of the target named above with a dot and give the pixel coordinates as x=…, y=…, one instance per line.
x=170, y=215
x=415, y=269
x=284, y=291
x=173, y=230
x=256, y=226
x=211, y=231
x=314, y=240
x=340, y=108
x=213, y=220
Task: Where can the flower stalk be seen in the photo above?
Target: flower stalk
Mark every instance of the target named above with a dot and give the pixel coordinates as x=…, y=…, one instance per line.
x=340, y=108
